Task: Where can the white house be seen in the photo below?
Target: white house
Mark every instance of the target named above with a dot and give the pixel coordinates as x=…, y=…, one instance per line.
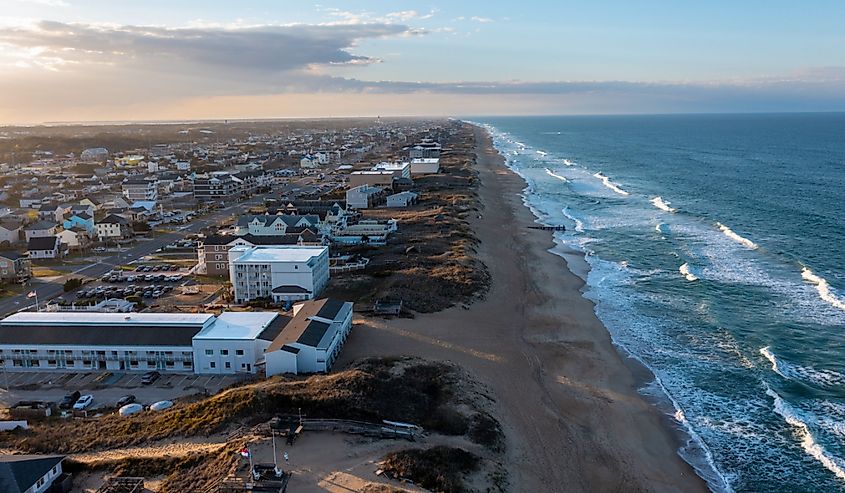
x=31, y=473
x=267, y=224
x=44, y=247
x=282, y=273
x=312, y=340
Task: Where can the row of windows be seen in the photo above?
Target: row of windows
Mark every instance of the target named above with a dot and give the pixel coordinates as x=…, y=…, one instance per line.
x=224, y=352
x=34, y=363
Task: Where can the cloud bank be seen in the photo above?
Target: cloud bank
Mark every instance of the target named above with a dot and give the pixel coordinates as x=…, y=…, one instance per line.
x=100, y=68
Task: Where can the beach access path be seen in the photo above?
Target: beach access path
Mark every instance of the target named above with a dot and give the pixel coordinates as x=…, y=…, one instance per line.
x=566, y=399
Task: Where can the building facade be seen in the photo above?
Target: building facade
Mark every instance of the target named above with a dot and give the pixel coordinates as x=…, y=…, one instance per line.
x=280, y=273
x=140, y=189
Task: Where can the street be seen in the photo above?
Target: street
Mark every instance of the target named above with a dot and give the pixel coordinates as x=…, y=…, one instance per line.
x=49, y=290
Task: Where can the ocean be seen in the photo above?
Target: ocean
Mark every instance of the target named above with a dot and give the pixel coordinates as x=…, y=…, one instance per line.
x=717, y=253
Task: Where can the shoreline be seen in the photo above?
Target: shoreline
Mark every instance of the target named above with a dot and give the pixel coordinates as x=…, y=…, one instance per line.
x=566, y=399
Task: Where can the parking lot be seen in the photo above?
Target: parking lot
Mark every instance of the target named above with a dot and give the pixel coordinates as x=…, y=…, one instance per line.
x=146, y=281
x=107, y=387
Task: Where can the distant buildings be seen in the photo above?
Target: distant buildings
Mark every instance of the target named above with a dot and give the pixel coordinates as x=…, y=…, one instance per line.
x=99, y=154
x=402, y=199
x=374, y=178
x=425, y=166
x=364, y=196
x=135, y=189
x=280, y=273
x=217, y=186
x=426, y=148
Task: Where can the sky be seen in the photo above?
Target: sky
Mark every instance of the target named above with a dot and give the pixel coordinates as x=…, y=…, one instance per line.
x=119, y=60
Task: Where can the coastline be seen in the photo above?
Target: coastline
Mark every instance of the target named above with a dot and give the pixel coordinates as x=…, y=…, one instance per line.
x=566, y=398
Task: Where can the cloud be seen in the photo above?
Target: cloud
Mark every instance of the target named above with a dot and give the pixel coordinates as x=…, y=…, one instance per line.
x=482, y=20
x=89, y=68
x=257, y=49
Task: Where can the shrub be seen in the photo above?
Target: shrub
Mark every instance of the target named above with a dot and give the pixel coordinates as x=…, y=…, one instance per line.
x=72, y=284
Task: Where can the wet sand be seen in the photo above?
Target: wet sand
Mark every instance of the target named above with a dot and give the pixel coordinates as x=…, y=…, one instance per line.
x=567, y=400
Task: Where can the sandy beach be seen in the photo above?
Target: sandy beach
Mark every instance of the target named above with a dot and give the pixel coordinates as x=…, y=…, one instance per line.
x=566, y=398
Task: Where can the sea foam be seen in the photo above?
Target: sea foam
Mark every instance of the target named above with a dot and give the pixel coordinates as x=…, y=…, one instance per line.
x=568, y=162
x=823, y=288
x=737, y=238
x=609, y=184
x=662, y=204
x=808, y=442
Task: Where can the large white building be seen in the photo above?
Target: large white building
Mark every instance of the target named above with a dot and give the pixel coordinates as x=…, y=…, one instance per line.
x=282, y=273
x=232, y=342
x=311, y=341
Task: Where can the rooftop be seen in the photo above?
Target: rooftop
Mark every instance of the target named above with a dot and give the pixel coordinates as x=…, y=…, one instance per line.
x=110, y=319
x=238, y=325
x=287, y=253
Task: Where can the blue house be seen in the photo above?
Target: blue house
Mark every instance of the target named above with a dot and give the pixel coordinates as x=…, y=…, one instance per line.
x=81, y=220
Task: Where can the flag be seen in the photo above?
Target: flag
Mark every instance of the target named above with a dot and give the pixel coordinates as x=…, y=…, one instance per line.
x=31, y=294
x=244, y=452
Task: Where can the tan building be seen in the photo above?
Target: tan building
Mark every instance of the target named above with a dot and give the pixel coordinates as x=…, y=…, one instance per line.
x=213, y=252
x=382, y=178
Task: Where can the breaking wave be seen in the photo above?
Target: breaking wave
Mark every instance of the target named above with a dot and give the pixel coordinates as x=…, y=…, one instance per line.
x=823, y=288
x=808, y=442
x=662, y=204
x=790, y=371
x=609, y=184
x=737, y=238
x=685, y=270
x=555, y=175
x=568, y=162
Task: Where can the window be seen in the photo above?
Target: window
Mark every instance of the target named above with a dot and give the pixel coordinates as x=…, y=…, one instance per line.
x=213, y=364
x=51, y=362
x=187, y=364
x=151, y=364
x=209, y=352
x=224, y=352
x=228, y=365
x=239, y=352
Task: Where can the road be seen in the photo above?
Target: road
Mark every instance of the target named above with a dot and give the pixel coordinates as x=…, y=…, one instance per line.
x=51, y=289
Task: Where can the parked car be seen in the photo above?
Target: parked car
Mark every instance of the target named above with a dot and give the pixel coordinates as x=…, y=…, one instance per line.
x=69, y=400
x=130, y=409
x=126, y=399
x=83, y=402
x=161, y=405
x=150, y=377
x=140, y=268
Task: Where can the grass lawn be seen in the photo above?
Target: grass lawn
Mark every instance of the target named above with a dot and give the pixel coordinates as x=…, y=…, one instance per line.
x=45, y=271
